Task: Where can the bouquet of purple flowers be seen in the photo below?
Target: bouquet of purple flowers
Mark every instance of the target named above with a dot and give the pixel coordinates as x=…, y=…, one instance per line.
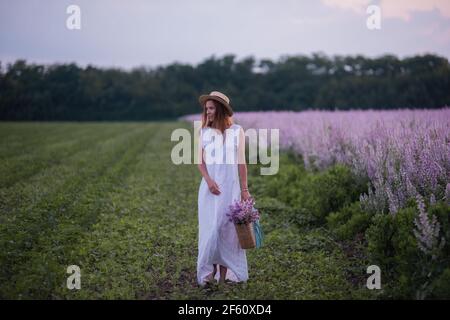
x=243, y=212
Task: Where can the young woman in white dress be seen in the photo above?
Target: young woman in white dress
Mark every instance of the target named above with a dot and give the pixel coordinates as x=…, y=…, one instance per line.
x=218, y=244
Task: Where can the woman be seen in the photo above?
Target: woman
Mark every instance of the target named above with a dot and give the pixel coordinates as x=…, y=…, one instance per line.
x=218, y=244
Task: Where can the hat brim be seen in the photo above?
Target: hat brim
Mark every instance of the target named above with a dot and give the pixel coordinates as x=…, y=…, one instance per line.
x=205, y=97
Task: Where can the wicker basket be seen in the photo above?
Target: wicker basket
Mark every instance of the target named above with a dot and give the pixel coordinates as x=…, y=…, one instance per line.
x=246, y=235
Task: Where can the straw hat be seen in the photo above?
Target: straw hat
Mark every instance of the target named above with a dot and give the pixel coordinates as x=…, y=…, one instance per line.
x=217, y=96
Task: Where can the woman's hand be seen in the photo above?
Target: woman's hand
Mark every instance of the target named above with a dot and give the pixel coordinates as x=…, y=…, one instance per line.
x=213, y=187
x=245, y=195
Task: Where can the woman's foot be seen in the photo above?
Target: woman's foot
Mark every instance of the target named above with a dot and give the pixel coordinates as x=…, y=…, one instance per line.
x=223, y=273
x=210, y=277
x=226, y=281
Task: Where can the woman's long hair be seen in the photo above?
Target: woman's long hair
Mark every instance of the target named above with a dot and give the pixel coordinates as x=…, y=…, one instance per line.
x=221, y=120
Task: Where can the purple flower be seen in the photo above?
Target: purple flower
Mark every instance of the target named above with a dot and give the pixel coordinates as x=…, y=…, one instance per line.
x=242, y=212
x=405, y=154
x=427, y=231
x=402, y=152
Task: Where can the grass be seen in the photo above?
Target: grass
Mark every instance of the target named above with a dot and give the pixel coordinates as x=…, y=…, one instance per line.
x=106, y=197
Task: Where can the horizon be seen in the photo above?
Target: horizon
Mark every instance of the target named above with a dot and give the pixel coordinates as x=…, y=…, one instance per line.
x=149, y=67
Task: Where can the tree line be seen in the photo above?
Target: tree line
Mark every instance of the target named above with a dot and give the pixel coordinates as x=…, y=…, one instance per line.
x=70, y=92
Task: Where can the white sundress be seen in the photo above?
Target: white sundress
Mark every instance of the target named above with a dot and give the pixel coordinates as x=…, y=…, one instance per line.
x=218, y=242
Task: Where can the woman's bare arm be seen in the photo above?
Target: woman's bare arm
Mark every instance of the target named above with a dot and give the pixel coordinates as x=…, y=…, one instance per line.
x=202, y=165
x=212, y=185
x=242, y=165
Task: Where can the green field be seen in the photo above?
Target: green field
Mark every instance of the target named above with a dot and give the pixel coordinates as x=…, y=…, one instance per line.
x=106, y=197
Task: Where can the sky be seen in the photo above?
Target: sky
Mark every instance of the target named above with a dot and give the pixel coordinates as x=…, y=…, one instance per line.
x=136, y=33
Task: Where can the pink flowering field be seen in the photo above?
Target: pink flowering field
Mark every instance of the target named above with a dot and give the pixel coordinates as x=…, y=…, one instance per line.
x=404, y=153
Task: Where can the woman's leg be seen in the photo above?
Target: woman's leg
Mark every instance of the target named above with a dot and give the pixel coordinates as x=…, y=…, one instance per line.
x=223, y=273
x=211, y=276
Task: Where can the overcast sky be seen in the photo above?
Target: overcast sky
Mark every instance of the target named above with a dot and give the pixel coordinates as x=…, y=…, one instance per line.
x=158, y=32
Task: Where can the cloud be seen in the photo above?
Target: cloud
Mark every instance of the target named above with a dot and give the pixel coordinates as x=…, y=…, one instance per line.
x=440, y=34
x=402, y=9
